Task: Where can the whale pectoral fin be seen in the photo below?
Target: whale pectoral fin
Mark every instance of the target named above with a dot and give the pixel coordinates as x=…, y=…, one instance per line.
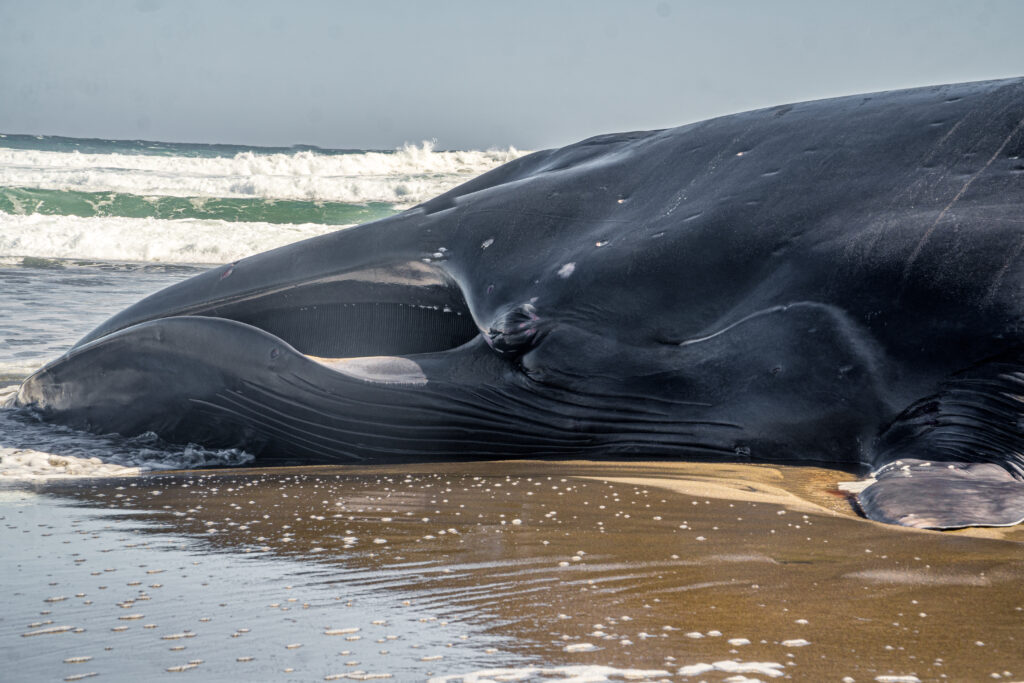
x=956, y=458
x=944, y=495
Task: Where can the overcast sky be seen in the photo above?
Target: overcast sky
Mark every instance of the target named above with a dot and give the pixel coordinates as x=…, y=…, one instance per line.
x=468, y=73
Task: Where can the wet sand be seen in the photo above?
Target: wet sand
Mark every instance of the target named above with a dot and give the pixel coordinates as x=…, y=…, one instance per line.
x=638, y=571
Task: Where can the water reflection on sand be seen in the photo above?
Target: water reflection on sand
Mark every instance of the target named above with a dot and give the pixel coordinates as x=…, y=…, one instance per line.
x=534, y=568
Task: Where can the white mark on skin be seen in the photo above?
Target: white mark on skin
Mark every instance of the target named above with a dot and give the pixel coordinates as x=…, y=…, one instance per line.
x=755, y=314
x=942, y=141
x=993, y=289
x=566, y=270
x=487, y=242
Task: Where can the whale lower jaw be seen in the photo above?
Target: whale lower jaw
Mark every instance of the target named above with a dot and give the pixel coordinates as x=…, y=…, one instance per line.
x=227, y=384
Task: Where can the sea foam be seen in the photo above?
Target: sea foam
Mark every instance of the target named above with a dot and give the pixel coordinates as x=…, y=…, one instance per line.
x=31, y=450
x=582, y=673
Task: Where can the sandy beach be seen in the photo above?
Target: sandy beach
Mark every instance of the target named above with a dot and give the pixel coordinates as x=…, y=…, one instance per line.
x=527, y=570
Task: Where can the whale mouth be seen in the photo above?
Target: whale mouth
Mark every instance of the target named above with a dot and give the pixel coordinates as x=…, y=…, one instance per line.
x=401, y=309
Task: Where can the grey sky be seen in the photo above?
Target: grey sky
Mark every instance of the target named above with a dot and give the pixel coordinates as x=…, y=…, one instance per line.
x=470, y=73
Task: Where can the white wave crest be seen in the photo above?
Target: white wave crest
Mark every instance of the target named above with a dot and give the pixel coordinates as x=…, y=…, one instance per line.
x=410, y=175
x=157, y=240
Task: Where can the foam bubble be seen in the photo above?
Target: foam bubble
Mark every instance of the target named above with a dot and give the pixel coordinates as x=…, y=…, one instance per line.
x=769, y=669
x=572, y=674
x=21, y=464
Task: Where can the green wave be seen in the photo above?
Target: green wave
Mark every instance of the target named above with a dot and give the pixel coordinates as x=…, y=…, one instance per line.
x=25, y=201
x=59, y=143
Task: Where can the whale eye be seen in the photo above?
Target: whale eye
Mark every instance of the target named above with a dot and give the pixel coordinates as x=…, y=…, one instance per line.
x=515, y=331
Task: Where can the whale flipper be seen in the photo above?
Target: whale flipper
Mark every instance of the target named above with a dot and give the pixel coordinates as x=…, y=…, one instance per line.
x=944, y=495
x=954, y=459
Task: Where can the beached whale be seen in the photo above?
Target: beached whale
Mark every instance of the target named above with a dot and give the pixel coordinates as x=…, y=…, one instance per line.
x=835, y=282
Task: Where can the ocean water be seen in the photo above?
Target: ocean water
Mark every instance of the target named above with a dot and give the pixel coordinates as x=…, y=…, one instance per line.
x=88, y=227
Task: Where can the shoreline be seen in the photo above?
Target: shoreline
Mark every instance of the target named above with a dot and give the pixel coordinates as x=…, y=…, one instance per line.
x=801, y=488
x=300, y=573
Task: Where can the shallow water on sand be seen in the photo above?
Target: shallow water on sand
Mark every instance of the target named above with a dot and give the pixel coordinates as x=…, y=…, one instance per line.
x=632, y=571
x=48, y=305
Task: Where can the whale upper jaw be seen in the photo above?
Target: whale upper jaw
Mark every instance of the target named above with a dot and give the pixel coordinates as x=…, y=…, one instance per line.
x=325, y=298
